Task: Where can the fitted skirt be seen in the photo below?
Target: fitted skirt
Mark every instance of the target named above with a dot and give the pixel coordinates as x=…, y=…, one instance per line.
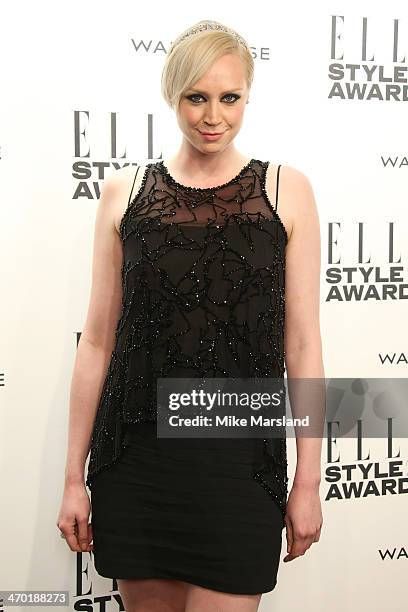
x=189, y=510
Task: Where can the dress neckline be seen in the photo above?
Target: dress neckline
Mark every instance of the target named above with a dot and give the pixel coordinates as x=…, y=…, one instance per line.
x=190, y=188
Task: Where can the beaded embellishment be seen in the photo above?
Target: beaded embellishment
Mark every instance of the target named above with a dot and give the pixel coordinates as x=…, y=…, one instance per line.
x=203, y=280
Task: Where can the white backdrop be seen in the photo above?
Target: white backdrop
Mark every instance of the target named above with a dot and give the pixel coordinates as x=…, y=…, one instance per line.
x=67, y=69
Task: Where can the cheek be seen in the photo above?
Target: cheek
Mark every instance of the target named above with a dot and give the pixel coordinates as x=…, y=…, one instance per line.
x=236, y=116
x=189, y=114
x=239, y=111
x=192, y=115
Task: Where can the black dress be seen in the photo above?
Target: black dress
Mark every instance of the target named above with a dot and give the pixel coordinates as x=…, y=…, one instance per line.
x=203, y=296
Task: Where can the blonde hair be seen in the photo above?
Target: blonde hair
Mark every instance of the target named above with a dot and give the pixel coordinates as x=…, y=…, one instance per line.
x=194, y=51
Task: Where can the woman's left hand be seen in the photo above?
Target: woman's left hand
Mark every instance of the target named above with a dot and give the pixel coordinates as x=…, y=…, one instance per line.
x=303, y=519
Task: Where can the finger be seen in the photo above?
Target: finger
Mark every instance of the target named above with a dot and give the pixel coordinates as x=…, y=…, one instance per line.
x=290, y=557
x=71, y=537
x=90, y=537
x=299, y=547
x=83, y=534
x=310, y=540
x=304, y=544
x=289, y=535
x=72, y=542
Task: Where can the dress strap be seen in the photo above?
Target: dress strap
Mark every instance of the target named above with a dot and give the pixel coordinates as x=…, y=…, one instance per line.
x=277, y=187
x=133, y=186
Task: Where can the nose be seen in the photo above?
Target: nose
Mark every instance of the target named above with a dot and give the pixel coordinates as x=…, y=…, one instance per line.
x=212, y=114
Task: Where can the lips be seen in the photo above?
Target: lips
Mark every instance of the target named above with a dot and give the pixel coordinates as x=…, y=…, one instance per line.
x=211, y=133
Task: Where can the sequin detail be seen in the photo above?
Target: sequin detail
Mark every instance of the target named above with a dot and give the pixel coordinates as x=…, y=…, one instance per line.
x=203, y=279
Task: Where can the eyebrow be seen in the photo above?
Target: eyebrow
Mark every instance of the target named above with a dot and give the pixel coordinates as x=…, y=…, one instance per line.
x=222, y=93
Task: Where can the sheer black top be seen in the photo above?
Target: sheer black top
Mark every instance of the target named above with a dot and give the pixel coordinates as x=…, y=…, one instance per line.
x=203, y=279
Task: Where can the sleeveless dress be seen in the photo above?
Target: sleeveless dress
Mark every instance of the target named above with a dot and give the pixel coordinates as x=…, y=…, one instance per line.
x=203, y=296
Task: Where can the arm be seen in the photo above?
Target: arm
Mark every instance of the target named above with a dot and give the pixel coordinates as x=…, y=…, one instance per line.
x=98, y=336
x=93, y=356
x=303, y=348
x=303, y=345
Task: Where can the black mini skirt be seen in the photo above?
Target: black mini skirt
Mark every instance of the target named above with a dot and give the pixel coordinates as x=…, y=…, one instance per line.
x=189, y=510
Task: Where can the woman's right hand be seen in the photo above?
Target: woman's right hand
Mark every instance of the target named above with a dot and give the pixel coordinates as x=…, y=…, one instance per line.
x=73, y=517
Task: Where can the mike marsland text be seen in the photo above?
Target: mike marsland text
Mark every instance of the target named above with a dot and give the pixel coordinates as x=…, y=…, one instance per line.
x=233, y=421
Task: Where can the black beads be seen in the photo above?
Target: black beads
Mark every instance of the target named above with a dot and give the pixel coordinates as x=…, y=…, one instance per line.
x=132, y=203
x=190, y=189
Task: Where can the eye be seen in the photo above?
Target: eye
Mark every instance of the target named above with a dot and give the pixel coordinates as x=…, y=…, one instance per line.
x=194, y=96
x=191, y=97
x=235, y=96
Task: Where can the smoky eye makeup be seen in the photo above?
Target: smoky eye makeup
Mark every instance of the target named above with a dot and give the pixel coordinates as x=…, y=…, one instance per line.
x=192, y=97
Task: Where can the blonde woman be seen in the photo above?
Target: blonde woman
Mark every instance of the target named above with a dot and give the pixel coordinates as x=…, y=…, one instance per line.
x=197, y=273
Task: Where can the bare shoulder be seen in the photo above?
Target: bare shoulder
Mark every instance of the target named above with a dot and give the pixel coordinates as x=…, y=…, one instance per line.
x=121, y=184
x=295, y=197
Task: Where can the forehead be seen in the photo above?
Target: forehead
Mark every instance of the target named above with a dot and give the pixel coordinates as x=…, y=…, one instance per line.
x=227, y=72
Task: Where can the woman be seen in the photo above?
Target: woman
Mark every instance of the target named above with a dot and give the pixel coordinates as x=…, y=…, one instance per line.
x=195, y=274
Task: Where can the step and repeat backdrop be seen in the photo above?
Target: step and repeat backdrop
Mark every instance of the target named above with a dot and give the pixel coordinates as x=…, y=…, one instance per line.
x=81, y=98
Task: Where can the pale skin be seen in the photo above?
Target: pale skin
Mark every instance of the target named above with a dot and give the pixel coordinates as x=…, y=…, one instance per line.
x=200, y=163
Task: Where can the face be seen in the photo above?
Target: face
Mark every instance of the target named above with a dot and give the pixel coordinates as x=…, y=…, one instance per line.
x=215, y=105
